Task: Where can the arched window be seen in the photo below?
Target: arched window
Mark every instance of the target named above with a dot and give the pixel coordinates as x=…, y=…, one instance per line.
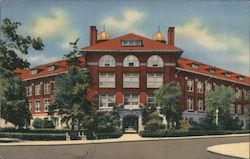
x=107, y=61
x=131, y=61
x=155, y=61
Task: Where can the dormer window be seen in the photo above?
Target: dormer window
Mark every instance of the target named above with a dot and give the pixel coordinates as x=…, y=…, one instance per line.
x=51, y=68
x=212, y=70
x=34, y=71
x=131, y=42
x=228, y=74
x=194, y=65
x=240, y=77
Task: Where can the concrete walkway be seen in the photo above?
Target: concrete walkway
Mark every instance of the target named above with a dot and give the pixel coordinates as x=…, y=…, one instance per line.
x=124, y=138
x=240, y=150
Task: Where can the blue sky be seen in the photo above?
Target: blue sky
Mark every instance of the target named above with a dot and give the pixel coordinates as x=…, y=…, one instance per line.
x=213, y=32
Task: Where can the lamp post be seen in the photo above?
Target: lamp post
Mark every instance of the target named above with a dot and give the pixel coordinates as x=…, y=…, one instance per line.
x=217, y=117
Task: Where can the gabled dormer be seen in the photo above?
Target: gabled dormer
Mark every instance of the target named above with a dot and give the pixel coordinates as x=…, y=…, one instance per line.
x=227, y=74
x=211, y=69
x=35, y=71
x=52, y=67
x=240, y=77
x=194, y=65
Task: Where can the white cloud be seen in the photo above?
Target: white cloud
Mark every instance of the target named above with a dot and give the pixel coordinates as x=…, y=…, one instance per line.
x=195, y=31
x=130, y=19
x=55, y=26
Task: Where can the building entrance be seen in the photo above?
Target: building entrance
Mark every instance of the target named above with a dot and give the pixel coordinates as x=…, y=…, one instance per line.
x=130, y=124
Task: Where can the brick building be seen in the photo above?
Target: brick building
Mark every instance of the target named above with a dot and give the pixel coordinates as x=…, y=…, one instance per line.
x=126, y=70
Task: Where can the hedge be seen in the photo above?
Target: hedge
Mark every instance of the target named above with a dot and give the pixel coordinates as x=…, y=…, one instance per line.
x=191, y=133
x=118, y=133
x=33, y=136
x=39, y=131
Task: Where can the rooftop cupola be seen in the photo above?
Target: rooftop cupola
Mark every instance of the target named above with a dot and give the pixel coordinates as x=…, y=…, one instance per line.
x=103, y=36
x=159, y=36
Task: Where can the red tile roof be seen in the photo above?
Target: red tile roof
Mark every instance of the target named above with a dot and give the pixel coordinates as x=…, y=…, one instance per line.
x=203, y=68
x=115, y=44
x=61, y=66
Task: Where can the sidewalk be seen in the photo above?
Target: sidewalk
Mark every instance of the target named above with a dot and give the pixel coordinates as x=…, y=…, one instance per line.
x=240, y=150
x=124, y=138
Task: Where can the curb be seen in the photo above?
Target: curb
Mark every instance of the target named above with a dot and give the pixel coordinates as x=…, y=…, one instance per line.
x=117, y=140
x=216, y=149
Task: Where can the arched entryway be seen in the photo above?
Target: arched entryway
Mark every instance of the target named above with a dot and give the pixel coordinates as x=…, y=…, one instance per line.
x=130, y=124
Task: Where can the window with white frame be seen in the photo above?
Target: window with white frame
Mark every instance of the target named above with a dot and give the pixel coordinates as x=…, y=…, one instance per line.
x=131, y=80
x=34, y=71
x=154, y=80
x=131, y=42
x=131, y=99
x=239, y=93
x=30, y=106
x=239, y=109
x=155, y=61
x=208, y=86
x=29, y=90
x=46, y=104
x=246, y=95
x=190, y=103
x=200, y=86
x=37, y=106
x=150, y=99
x=200, y=104
x=106, y=100
x=107, y=61
x=232, y=109
x=37, y=89
x=190, y=85
x=106, y=80
x=51, y=68
x=47, y=88
x=131, y=61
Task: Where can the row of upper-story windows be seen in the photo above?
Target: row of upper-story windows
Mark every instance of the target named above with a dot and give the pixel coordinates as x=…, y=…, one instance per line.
x=208, y=87
x=131, y=61
x=130, y=80
x=37, y=107
x=38, y=86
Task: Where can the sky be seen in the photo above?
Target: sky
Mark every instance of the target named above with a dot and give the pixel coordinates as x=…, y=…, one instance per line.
x=213, y=32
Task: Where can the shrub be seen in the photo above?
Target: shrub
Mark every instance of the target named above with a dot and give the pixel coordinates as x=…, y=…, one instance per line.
x=38, y=123
x=49, y=124
x=107, y=121
x=154, y=123
x=185, y=125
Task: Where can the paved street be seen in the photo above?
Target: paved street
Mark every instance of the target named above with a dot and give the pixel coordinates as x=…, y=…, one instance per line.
x=172, y=149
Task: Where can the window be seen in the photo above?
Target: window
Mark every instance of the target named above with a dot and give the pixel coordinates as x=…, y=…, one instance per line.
x=51, y=68
x=246, y=95
x=239, y=109
x=131, y=61
x=106, y=100
x=195, y=65
x=38, y=89
x=46, y=105
x=47, y=88
x=131, y=42
x=232, y=109
x=200, y=87
x=30, y=106
x=200, y=104
x=34, y=71
x=212, y=70
x=239, y=93
x=190, y=84
x=29, y=90
x=150, y=100
x=155, y=61
x=37, y=106
x=107, y=80
x=107, y=61
x=208, y=86
x=154, y=80
x=190, y=104
x=131, y=80
x=131, y=99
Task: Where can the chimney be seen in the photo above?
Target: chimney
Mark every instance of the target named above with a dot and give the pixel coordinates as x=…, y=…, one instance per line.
x=171, y=36
x=93, y=34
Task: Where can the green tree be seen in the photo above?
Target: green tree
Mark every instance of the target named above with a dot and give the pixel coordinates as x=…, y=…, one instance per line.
x=70, y=96
x=154, y=123
x=12, y=45
x=167, y=97
x=14, y=106
x=221, y=99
